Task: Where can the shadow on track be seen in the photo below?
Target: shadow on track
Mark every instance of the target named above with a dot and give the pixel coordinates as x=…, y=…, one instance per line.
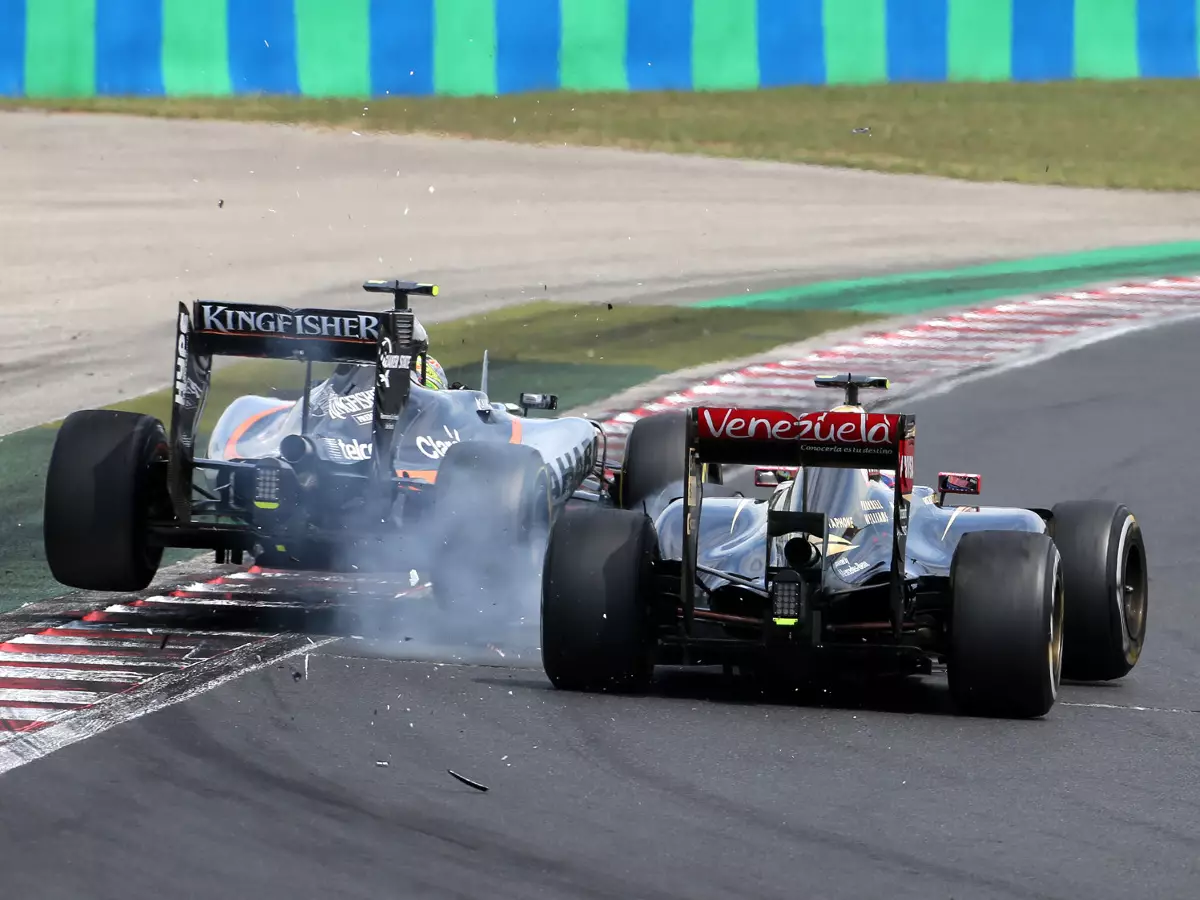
x=911, y=696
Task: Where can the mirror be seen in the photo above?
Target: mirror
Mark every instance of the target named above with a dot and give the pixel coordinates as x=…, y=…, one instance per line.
x=957, y=483
x=773, y=477
x=539, y=401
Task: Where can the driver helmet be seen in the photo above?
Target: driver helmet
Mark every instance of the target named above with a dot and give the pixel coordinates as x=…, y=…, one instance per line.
x=886, y=476
x=435, y=375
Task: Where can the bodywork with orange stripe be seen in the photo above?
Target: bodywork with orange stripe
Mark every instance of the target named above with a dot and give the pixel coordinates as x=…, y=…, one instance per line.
x=253, y=426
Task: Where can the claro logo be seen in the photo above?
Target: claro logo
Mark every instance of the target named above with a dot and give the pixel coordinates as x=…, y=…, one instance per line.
x=834, y=428
x=435, y=448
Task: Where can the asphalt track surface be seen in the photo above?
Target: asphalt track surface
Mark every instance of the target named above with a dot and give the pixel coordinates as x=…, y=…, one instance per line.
x=270, y=786
x=107, y=222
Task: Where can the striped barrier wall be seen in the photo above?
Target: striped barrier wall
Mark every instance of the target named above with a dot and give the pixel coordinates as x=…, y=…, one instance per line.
x=360, y=48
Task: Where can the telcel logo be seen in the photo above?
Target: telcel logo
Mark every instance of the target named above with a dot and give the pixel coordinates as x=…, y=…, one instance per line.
x=355, y=451
x=435, y=448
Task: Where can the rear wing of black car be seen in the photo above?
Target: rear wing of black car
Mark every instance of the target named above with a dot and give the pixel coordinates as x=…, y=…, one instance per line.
x=212, y=328
x=776, y=437
x=277, y=332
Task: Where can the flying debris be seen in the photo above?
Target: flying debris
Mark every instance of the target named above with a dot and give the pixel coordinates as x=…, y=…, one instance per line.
x=468, y=782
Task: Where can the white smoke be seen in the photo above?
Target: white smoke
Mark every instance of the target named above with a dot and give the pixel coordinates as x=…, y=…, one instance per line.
x=484, y=611
x=456, y=602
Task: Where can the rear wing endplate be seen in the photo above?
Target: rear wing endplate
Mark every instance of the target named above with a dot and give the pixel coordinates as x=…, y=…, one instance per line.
x=776, y=437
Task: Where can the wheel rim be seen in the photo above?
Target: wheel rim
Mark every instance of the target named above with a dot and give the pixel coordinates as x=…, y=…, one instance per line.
x=1055, y=646
x=1131, y=593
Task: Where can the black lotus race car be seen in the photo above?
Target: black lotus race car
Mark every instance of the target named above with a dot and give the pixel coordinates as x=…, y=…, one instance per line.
x=843, y=565
x=365, y=471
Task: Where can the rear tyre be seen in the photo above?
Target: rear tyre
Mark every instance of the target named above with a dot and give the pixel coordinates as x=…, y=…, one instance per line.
x=100, y=491
x=491, y=517
x=597, y=632
x=655, y=459
x=1104, y=568
x=1006, y=628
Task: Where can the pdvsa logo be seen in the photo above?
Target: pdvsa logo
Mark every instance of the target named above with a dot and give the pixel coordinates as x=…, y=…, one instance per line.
x=435, y=447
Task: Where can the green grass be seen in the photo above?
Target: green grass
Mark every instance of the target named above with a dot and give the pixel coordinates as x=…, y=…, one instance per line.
x=581, y=352
x=1129, y=134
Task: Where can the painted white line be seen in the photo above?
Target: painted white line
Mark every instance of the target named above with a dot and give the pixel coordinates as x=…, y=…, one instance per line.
x=115, y=662
x=950, y=342
x=221, y=601
x=776, y=393
x=56, y=640
x=1155, y=291
x=81, y=625
x=1088, y=305
x=47, y=674
x=80, y=698
x=158, y=693
x=893, y=350
x=1124, y=707
x=34, y=713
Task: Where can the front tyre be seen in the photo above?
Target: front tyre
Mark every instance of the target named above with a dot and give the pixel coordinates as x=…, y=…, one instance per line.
x=597, y=631
x=1104, y=567
x=101, y=487
x=1006, y=626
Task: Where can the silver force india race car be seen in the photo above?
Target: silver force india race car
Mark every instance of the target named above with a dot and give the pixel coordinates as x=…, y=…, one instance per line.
x=847, y=563
x=367, y=470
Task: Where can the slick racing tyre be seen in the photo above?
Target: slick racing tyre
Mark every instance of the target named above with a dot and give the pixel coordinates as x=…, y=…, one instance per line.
x=597, y=634
x=492, y=509
x=655, y=459
x=100, y=491
x=1006, y=626
x=1104, y=567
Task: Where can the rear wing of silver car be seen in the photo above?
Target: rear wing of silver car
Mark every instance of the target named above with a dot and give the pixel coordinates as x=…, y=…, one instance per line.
x=212, y=328
x=776, y=437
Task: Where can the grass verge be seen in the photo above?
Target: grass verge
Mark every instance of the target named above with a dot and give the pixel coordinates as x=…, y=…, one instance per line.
x=1126, y=134
x=581, y=352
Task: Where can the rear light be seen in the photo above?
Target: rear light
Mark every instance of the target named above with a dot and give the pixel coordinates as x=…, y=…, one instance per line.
x=787, y=607
x=270, y=488
x=266, y=488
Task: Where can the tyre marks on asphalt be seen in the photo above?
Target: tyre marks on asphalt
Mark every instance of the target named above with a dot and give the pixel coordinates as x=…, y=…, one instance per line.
x=939, y=352
x=80, y=672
